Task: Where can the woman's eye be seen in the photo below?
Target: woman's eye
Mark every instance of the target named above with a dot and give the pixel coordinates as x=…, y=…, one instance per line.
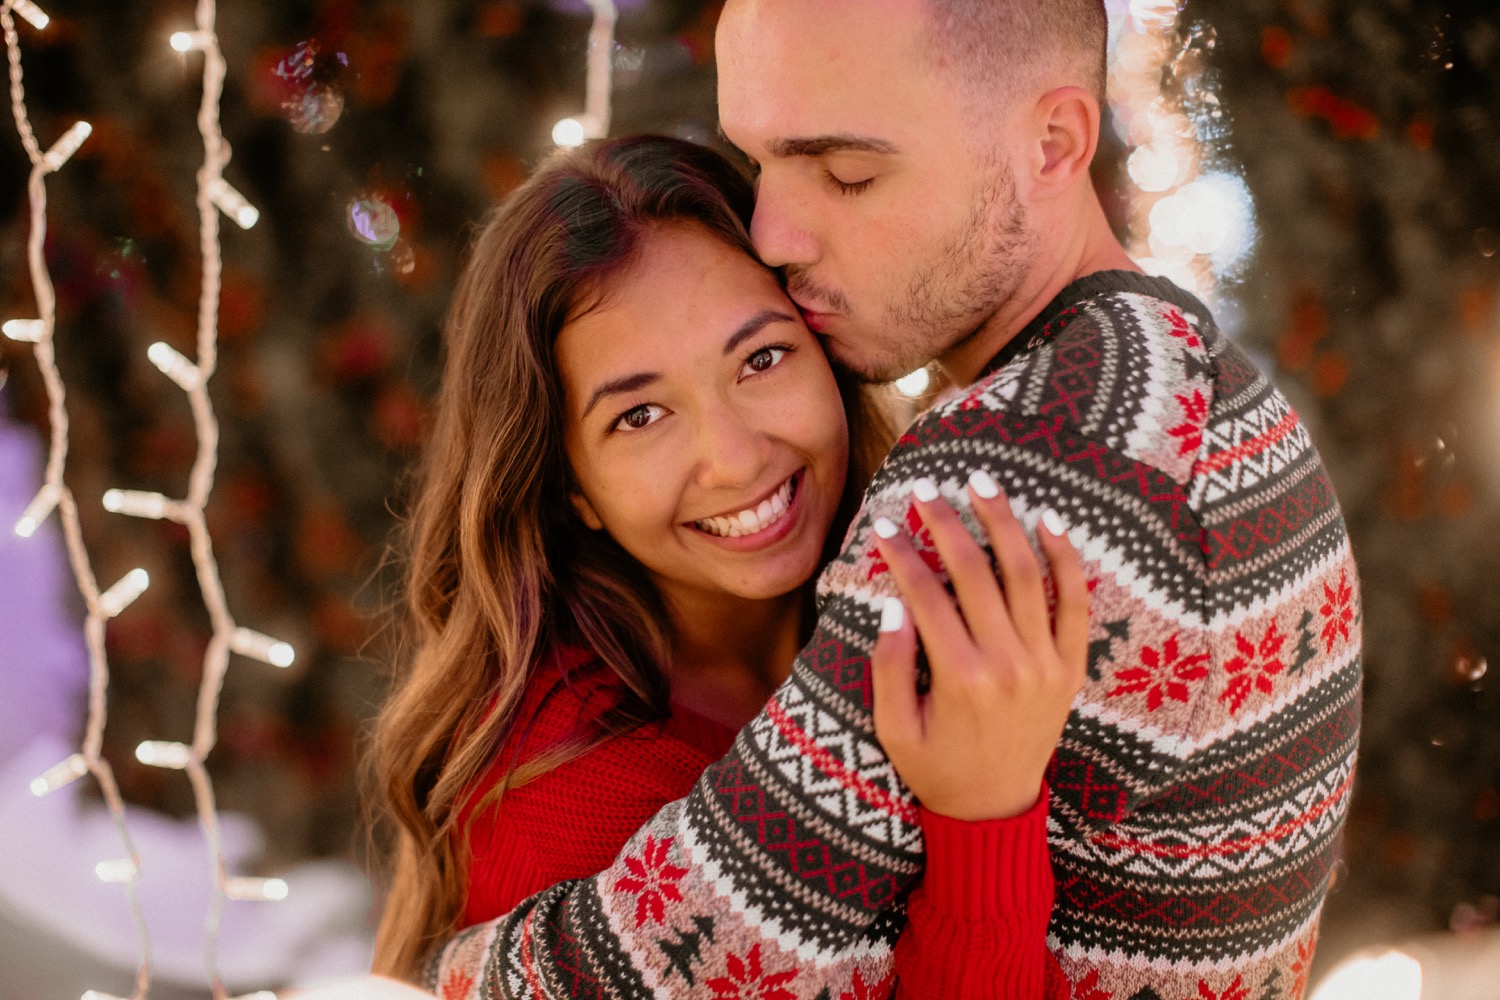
x=766, y=358
x=637, y=417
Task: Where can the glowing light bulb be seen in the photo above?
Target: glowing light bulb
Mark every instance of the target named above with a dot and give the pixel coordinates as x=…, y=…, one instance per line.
x=187, y=41
x=233, y=204
x=123, y=594
x=117, y=872
x=272, y=890
x=569, y=132
x=36, y=512
x=28, y=331
x=160, y=753
x=58, y=775
x=262, y=647
x=1393, y=975
x=134, y=503
x=174, y=366
x=63, y=149
x=33, y=14
x=915, y=384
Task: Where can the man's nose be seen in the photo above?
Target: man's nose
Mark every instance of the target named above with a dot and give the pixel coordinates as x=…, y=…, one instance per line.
x=780, y=226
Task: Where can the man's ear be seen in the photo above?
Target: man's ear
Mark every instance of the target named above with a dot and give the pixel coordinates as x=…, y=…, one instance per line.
x=1067, y=122
x=585, y=510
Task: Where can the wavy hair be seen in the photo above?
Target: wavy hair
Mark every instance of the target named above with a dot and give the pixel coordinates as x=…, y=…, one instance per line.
x=498, y=568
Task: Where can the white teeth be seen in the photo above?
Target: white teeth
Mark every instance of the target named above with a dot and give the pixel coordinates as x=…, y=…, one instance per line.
x=750, y=520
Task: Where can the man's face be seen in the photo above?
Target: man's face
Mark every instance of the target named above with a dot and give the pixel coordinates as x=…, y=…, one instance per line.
x=900, y=234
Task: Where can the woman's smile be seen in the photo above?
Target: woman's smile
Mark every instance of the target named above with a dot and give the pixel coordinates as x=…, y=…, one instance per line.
x=758, y=523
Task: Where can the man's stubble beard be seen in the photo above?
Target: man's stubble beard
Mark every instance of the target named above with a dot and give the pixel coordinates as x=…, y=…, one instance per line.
x=950, y=299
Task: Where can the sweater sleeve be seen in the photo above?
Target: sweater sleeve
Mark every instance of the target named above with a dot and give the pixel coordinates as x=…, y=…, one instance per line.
x=978, y=921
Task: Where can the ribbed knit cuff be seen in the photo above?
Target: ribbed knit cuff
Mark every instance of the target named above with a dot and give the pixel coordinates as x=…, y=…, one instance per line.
x=989, y=870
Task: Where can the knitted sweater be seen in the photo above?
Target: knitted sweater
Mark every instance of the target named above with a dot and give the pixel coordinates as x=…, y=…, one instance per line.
x=573, y=820
x=1202, y=778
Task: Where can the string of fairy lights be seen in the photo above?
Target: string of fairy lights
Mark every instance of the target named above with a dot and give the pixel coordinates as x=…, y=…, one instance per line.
x=214, y=195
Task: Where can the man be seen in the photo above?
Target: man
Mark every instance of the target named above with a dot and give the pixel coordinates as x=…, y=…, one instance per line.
x=923, y=179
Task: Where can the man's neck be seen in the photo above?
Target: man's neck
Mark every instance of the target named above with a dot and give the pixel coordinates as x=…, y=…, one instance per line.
x=1092, y=249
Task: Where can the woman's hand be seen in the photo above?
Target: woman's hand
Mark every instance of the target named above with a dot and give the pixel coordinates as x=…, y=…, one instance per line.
x=1004, y=671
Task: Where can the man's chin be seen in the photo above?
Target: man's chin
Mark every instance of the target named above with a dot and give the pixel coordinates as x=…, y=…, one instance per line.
x=872, y=369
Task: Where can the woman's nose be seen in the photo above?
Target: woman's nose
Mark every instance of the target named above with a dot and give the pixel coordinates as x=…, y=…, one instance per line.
x=732, y=450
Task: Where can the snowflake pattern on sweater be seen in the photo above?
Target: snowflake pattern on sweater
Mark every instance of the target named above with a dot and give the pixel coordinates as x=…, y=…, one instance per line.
x=1201, y=782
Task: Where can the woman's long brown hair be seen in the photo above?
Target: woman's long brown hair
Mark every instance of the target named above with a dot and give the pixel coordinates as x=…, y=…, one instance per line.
x=498, y=568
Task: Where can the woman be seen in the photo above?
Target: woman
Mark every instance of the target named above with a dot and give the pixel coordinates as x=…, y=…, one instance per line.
x=640, y=459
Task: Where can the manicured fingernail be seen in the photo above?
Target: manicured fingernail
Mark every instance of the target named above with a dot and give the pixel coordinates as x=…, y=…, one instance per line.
x=984, y=484
x=925, y=489
x=885, y=528
x=892, y=614
x=1053, y=523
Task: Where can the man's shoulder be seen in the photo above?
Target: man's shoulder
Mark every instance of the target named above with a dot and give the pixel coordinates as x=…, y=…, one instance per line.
x=1121, y=369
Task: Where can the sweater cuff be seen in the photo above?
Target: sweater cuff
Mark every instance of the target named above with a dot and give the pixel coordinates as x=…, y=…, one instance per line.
x=989, y=870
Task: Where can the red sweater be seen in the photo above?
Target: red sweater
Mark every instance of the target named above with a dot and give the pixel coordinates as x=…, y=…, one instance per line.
x=977, y=924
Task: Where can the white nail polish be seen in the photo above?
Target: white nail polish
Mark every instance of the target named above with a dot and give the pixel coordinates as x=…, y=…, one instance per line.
x=892, y=614
x=925, y=489
x=1053, y=523
x=885, y=528
x=984, y=484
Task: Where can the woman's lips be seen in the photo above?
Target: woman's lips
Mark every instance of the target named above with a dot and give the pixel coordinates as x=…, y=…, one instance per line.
x=778, y=528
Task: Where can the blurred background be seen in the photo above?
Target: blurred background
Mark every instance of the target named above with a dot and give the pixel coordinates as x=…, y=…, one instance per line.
x=1326, y=172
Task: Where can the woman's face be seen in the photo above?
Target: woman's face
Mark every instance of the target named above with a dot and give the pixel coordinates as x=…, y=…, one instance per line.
x=704, y=427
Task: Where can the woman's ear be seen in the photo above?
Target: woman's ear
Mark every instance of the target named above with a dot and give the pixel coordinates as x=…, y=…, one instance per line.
x=585, y=510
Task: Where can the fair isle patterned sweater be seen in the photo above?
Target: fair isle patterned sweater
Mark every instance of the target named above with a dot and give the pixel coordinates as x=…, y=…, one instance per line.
x=1201, y=783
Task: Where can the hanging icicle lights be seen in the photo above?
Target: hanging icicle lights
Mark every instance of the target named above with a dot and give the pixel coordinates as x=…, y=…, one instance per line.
x=192, y=376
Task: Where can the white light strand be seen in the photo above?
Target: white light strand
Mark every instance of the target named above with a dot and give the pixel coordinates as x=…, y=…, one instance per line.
x=598, y=109
x=54, y=494
x=214, y=195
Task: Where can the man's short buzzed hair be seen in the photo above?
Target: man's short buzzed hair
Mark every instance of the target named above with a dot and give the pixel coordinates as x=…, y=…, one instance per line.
x=1003, y=46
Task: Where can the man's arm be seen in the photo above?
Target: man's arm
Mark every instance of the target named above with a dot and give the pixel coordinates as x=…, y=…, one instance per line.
x=784, y=868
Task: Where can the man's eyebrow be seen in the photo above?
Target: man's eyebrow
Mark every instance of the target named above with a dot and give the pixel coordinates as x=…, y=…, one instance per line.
x=616, y=386
x=754, y=325
x=822, y=145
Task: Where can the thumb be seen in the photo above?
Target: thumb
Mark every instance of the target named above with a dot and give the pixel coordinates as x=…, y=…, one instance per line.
x=893, y=673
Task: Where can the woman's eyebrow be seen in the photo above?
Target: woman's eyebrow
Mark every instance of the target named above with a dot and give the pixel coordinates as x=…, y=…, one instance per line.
x=623, y=384
x=630, y=383
x=754, y=325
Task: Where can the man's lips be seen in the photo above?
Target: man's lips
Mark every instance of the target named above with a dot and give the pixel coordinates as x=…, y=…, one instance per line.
x=816, y=321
